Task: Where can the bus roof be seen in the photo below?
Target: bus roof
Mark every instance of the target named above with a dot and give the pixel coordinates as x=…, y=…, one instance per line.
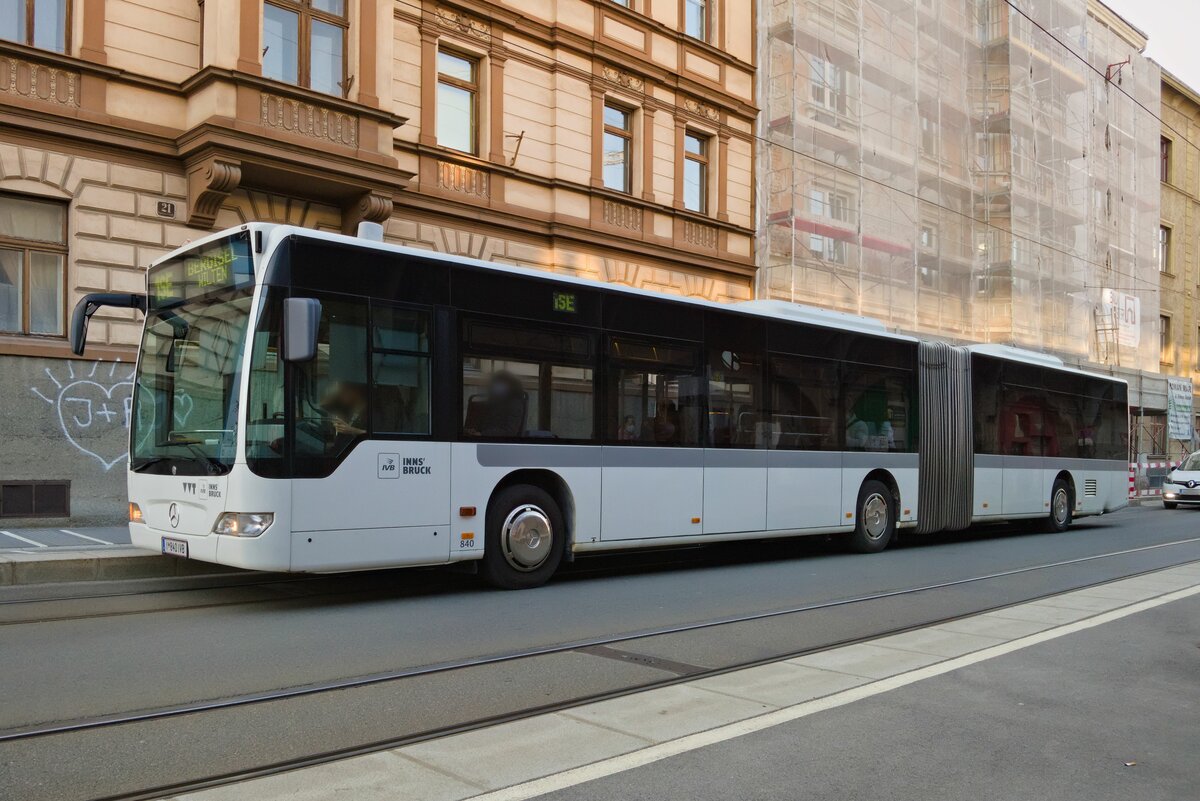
x=773, y=309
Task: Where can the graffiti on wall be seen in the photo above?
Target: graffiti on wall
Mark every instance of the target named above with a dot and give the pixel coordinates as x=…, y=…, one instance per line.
x=93, y=407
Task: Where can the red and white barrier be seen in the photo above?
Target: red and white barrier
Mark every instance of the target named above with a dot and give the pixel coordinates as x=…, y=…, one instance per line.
x=1141, y=467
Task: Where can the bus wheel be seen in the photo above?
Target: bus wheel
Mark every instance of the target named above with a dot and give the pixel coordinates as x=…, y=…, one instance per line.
x=1060, y=507
x=875, y=521
x=524, y=540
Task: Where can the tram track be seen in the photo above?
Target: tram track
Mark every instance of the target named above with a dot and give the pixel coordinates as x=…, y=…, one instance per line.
x=592, y=642
x=630, y=640
x=169, y=790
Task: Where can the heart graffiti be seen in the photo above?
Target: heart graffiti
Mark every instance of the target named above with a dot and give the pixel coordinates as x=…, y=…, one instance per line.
x=94, y=418
x=93, y=409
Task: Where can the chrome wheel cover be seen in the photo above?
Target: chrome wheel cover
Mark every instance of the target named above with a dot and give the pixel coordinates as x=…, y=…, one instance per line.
x=875, y=516
x=527, y=538
x=1060, y=507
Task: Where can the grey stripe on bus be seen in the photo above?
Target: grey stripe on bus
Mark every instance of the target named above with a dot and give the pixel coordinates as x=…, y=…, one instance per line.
x=501, y=455
x=996, y=461
x=508, y=455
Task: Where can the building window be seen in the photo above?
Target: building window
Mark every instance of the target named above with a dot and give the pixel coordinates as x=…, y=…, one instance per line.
x=1164, y=159
x=831, y=205
x=33, y=250
x=928, y=237
x=695, y=172
x=828, y=81
x=929, y=136
x=1164, y=249
x=37, y=23
x=458, y=102
x=618, y=149
x=828, y=203
x=697, y=21
x=624, y=3
x=1164, y=339
x=304, y=43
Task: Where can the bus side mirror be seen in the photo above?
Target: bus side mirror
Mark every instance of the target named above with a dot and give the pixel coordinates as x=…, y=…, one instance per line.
x=90, y=304
x=301, y=317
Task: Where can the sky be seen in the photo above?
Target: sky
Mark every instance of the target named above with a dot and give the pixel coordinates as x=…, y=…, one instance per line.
x=1171, y=26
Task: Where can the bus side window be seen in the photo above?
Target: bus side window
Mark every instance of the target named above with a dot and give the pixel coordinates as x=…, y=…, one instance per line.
x=985, y=404
x=656, y=393
x=524, y=381
x=875, y=405
x=804, y=398
x=332, y=401
x=266, y=409
x=400, y=394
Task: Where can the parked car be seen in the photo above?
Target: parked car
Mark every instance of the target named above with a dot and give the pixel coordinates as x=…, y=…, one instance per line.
x=1182, y=485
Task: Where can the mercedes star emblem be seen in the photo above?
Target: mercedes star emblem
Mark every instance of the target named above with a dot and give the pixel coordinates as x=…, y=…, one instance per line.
x=174, y=469
x=173, y=514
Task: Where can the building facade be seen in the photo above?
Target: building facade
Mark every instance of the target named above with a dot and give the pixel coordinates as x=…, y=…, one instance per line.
x=1179, y=234
x=977, y=170
x=611, y=140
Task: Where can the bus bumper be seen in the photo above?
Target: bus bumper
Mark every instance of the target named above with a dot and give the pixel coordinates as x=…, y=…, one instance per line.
x=249, y=553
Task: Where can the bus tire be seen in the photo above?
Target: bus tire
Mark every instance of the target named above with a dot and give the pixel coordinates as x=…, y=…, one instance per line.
x=1061, y=504
x=1170, y=505
x=525, y=537
x=874, y=519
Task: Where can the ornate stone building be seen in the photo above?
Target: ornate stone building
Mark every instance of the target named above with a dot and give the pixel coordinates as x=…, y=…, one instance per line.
x=1179, y=235
x=611, y=139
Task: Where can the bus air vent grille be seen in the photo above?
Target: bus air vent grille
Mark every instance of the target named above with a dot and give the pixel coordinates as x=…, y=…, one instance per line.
x=1089, y=488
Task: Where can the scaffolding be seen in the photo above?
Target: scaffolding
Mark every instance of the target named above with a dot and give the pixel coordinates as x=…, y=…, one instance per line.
x=954, y=168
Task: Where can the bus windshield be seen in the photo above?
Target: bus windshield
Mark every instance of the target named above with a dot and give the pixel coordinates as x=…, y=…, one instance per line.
x=185, y=402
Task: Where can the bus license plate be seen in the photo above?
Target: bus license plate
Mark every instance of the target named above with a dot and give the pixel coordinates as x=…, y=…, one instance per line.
x=172, y=547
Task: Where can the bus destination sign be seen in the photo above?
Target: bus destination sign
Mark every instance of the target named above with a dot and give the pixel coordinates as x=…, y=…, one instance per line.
x=565, y=302
x=224, y=264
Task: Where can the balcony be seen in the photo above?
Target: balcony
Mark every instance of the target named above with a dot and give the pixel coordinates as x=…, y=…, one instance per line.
x=225, y=129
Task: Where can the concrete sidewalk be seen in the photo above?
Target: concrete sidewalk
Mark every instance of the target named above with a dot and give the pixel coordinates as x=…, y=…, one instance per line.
x=90, y=536
x=98, y=553
x=1085, y=695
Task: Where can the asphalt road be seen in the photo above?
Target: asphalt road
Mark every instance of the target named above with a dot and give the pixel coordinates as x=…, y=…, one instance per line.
x=62, y=660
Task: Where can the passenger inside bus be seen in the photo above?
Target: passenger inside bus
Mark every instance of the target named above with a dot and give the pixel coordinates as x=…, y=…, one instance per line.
x=869, y=422
x=665, y=425
x=501, y=412
x=346, y=404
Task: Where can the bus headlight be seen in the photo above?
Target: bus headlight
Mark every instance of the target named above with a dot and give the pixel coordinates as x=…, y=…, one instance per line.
x=241, y=524
x=135, y=513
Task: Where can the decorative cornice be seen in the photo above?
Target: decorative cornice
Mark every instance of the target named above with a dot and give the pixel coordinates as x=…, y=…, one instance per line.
x=700, y=235
x=309, y=119
x=299, y=94
x=373, y=207
x=209, y=183
x=36, y=81
x=623, y=215
x=462, y=23
x=460, y=178
x=701, y=109
x=628, y=80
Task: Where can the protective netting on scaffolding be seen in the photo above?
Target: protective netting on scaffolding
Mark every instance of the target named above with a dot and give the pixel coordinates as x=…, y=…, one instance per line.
x=956, y=167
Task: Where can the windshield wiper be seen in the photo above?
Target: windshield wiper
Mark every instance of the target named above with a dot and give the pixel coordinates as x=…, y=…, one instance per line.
x=215, y=466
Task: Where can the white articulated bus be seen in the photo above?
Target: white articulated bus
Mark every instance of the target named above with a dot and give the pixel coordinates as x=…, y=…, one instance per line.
x=307, y=401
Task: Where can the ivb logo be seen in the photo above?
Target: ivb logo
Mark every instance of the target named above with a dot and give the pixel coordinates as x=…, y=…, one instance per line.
x=389, y=465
